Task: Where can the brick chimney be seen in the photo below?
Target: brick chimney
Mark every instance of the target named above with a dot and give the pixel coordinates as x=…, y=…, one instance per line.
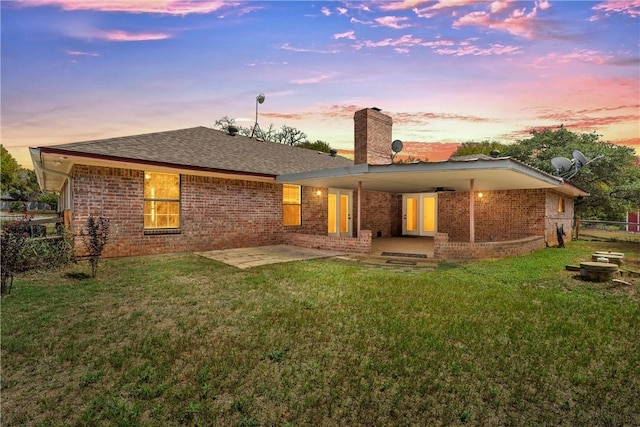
x=372, y=137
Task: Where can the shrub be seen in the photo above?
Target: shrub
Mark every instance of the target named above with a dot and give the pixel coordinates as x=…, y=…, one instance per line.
x=13, y=239
x=50, y=199
x=48, y=253
x=17, y=207
x=21, y=252
x=95, y=238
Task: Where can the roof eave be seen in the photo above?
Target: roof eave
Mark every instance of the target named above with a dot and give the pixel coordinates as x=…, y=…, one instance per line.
x=116, y=161
x=497, y=174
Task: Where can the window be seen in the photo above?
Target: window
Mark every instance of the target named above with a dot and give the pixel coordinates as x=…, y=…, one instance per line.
x=161, y=200
x=291, y=204
x=560, y=204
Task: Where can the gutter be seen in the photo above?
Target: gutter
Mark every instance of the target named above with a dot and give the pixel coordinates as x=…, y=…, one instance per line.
x=36, y=158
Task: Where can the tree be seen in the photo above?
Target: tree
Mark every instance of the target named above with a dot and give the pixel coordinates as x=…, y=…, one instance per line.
x=224, y=122
x=8, y=168
x=285, y=135
x=25, y=185
x=317, y=145
x=613, y=180
x=290, y=136
x=22, y=183
x=484, y=147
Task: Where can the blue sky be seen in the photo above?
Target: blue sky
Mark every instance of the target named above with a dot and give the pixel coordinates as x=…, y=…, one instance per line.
x=447, y=71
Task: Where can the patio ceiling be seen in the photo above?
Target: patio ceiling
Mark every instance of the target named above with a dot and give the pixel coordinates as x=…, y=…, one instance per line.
x=488, y=174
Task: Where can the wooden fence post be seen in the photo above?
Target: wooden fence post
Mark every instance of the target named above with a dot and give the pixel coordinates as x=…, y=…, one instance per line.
x=66, y=217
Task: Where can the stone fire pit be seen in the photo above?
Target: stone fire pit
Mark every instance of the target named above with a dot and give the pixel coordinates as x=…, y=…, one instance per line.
x=597, y=271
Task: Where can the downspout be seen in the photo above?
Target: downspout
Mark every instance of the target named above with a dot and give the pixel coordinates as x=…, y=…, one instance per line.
x=35, y=154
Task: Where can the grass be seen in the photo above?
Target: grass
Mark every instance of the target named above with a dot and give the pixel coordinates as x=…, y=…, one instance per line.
x=184, y=340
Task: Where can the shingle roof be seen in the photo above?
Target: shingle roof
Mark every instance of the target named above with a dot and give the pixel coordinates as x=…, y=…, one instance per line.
x=207, y=148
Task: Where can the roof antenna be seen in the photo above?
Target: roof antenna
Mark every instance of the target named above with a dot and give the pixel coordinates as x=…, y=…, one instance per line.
x=259, y=100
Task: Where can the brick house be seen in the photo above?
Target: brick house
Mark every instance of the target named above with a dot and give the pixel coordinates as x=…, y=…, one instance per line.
x=200, y=189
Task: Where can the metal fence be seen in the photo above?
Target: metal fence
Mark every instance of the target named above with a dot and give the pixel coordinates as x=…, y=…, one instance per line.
x=607, y=230
x=6, y=205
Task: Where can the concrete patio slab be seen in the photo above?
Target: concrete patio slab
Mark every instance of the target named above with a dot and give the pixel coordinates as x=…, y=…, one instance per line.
x=262, y=255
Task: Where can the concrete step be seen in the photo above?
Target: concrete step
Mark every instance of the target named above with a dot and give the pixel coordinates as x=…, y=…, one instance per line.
x=428, y=264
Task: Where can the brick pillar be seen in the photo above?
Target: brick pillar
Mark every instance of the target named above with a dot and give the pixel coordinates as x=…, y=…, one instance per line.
x=372, y=137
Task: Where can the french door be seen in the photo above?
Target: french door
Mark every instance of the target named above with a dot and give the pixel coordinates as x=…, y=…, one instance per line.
x=340, y=207
x=419, y=214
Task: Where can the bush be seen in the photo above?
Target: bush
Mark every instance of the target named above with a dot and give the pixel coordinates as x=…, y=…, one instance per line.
x=21, y=252
x=13, y=239
x=17, y=207
x=48, y=253
x=50, y=199
x=95, y=238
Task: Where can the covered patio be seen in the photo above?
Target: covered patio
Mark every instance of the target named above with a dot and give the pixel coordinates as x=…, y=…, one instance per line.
x=471, y=177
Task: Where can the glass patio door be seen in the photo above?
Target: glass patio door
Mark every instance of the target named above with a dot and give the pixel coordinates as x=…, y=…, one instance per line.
x=419, y=214
x=339, y=218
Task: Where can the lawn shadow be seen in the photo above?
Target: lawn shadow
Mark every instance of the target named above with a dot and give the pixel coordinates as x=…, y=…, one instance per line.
x=77, y=275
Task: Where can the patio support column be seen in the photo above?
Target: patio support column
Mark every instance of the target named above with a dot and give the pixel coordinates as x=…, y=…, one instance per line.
x=359, y=206
x=472, y=206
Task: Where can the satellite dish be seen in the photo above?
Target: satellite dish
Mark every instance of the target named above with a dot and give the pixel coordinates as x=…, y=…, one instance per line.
x=580, y=159
x=562, y=164
x=396, y=146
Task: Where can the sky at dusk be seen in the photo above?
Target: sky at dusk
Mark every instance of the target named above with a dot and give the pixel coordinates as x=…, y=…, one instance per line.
x=447, y=71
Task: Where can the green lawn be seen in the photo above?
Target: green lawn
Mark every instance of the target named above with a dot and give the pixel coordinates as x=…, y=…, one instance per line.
x=184, y=340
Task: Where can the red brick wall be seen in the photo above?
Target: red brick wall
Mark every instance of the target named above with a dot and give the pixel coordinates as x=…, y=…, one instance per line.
x=381, y=213
x=554, y=219
x=314, y=212
x=360, y=244
x=499, y=215
x=444, y=249
x=216, y=213
x=116, y=194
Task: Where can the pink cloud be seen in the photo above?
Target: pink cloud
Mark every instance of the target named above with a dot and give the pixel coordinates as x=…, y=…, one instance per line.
x=394, y=22
x=420, y=118
x=287, y=46
x=584, y=55
x=498, y=6
x=626, y=7
x=124, y=36
x=494, y=49
x=403, y=42
x=351, y=35
x=171, y=7
x=573, y=120
x=519, y=22
x=543, y=4
x=441, y=5
x=401, y=5
x=325, y=11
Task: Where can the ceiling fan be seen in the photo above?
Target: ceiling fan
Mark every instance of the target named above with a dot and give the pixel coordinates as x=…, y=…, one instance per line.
x=439, y=189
